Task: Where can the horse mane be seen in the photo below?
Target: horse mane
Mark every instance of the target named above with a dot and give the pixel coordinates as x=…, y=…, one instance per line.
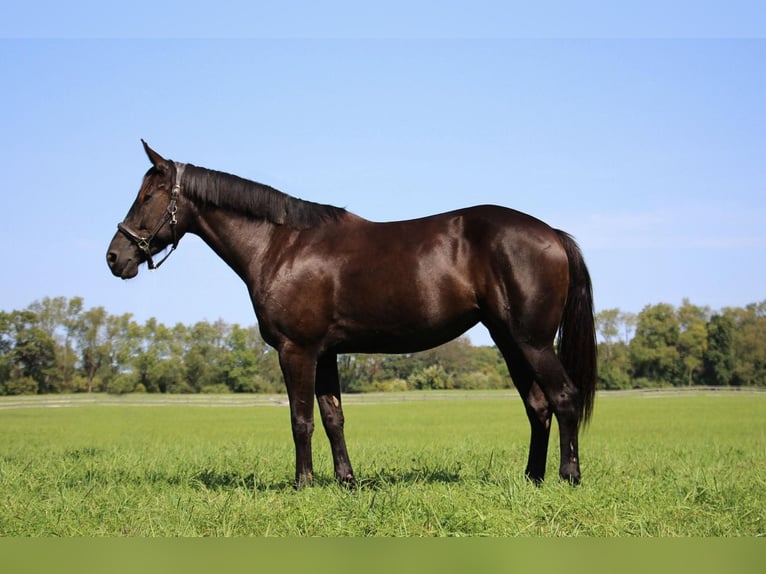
x=254, y=199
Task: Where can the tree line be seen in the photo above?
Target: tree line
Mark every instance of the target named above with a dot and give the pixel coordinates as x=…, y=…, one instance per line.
x=58, y=345
x=687, y=345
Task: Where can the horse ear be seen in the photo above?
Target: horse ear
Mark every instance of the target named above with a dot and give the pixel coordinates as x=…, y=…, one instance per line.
x=157, y=160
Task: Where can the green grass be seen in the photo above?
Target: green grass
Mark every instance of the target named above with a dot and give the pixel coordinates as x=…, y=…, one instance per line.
x=688, y=464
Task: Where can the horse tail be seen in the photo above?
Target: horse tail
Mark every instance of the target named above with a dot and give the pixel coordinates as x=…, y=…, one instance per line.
x=577, y=348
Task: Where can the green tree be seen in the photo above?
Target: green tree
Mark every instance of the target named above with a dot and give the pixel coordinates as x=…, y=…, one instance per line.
x=27, y=355
x=204, y=353
x=249, y=364
x=748, y=344
x=158, y=364
x=488, y=370
x=49, y=313
x=718, y=358
x=654, y=348
x=608, y=325
x=7, y=342
x=692, y=340
x=393, y=367
x=124, y=340
x=628, y=321
x=358, y=372
x=613, y=359
x=59, y=318
x=455, y=357
x=34, y=357
x=432, y=377
x=614, y=366
x=92, y=339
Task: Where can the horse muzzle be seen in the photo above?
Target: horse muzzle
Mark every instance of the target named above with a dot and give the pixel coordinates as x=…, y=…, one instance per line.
x=123, y=261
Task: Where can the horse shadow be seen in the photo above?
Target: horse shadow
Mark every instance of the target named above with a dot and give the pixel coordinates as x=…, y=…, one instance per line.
x=220, y=479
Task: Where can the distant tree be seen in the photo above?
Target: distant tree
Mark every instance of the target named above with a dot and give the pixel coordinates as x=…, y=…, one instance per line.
x=628, y=321
x=654, y=348
x=455, y=357
x=399, y=366
x=615, y=329
x=249, y=365
x=49, y=313
x=34, y=357
x=203, y=354
x=488, y=370
x=91, y=334
x=748, y=343
x=7, y=340
x=608, y=329
x=614, y=366
x=432, y=377
x=158, y=362
x=718, y=358
x=358, y=372
x=463, y=366
x=124, y=341
x=608, y=325
x=692, y=339
x=59, y=318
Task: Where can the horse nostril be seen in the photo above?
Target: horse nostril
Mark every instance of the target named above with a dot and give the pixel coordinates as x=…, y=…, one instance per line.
x=111, y=258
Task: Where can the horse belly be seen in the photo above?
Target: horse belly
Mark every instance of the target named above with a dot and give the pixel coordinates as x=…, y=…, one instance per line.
x=403, y=339
x=403, y=314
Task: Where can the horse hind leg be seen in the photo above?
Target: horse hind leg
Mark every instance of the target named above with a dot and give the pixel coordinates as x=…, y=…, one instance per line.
x=564, y=399
x=539, y=415
x=535, y=403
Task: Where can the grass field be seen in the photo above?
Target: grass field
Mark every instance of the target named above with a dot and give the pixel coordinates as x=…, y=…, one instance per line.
x=654, y=464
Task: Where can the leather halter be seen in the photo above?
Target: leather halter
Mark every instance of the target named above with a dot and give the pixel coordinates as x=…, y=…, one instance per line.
x=144, y=242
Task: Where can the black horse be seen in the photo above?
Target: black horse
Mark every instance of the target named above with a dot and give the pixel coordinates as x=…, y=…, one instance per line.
x=324, y=281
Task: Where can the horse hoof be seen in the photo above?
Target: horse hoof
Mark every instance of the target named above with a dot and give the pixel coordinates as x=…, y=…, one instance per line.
x=535, y=479
x=573, y=478
x=303, y=480
x=348, y=481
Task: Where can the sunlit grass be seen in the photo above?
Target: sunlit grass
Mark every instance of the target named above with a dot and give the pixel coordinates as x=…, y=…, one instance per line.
x=688, y=465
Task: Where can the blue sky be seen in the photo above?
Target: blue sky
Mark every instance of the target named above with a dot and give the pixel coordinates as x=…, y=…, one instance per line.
x=650, y=151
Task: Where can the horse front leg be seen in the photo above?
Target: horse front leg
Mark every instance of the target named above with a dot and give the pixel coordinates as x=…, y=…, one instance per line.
x=328, y=397
x=299, y=371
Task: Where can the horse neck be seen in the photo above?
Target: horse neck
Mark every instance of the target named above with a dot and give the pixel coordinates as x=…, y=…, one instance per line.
x=237, y=239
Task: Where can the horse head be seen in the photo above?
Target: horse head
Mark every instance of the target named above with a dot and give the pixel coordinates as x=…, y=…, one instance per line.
x=152, y=222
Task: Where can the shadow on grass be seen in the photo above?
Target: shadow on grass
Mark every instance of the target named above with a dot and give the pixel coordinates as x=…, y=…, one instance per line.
x=217, y=479
x=385, y=477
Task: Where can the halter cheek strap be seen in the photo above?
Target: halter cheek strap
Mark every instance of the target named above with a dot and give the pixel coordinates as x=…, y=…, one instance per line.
x=144, y=242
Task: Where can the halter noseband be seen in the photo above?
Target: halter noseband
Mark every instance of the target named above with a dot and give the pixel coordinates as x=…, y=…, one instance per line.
x=144, y=243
